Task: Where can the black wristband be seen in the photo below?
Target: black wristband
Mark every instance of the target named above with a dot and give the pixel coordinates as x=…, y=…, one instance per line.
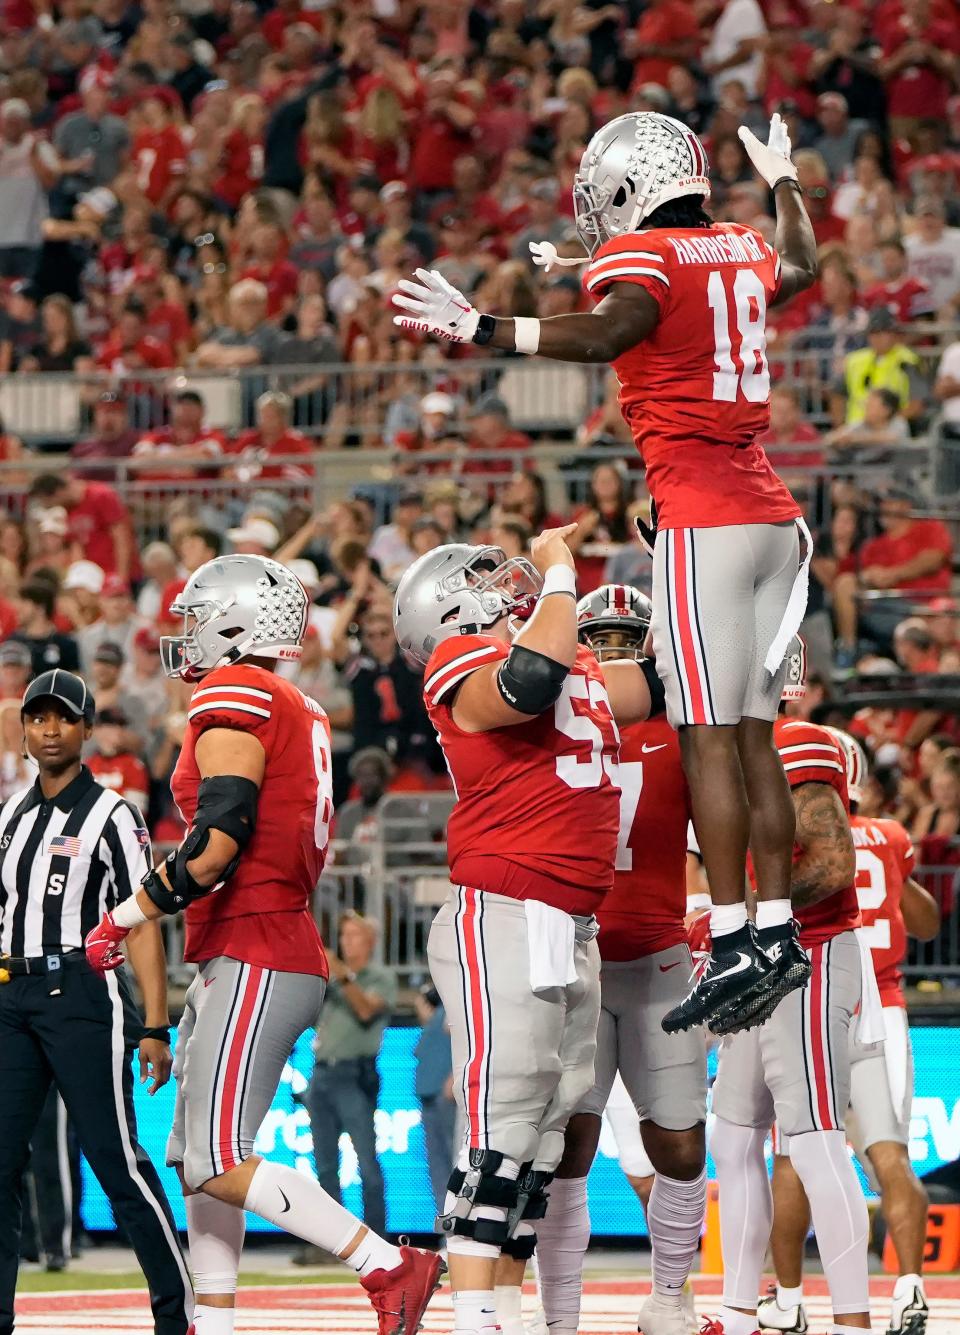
x=162, y=1032
x=485, y=330
x=791, y=181
x=658, y=696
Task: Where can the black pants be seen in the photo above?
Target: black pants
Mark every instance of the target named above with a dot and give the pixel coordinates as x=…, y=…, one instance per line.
x=77, y=1040
x=48, y=1207
x=343, y=1097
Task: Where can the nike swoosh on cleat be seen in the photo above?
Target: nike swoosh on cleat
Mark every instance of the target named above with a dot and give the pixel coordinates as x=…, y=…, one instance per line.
x=742, y=966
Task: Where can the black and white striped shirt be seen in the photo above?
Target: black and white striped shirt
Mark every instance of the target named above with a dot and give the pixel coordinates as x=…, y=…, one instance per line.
x=63, y=862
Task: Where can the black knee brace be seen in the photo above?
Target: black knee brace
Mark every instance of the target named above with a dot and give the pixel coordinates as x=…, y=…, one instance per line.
x=520, y=1249
x=532, y=1196
x=479, y=1185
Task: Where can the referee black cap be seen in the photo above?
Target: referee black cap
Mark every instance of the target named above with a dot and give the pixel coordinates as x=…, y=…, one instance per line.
x=64, y=686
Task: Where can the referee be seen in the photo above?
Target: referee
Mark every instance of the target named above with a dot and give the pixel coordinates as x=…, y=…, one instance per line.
x=70, y=849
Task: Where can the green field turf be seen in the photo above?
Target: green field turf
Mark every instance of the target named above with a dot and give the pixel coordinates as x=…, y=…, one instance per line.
x=38, y=1281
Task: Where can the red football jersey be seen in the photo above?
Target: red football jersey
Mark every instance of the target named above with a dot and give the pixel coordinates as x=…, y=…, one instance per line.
x=538, y=808
x=241, y=163
x=161, y=157
x=644, y=912
x=885, y=859
x=262, y=914
x=696, y=393
x=811, y=755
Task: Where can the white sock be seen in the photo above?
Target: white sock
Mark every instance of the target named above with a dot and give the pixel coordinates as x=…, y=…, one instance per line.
x=506, y=1299
x=727, y=918
x=212, y=1320
x=746, y=1211
x=907, y=1283
x=773, y=913
x=839, y=1329
x=736, y=1323
x=839, y=1214
x=299, y=1204
x=675, y=1217
x=215, y=1232
x=475, y=1310
x=562, y=1240
x=787, y=1298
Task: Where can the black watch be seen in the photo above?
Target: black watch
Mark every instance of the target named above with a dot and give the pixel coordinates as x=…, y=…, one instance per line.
x=486, y=326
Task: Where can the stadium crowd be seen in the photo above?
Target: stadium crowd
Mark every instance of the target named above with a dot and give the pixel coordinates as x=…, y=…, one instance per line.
x=225, y=186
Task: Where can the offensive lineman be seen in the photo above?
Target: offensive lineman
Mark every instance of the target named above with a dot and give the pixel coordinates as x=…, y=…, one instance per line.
x=681, y=317
x=525, y=716
x=796, y=1067
x=253, y=782
x=892, y=904
x=645, y=969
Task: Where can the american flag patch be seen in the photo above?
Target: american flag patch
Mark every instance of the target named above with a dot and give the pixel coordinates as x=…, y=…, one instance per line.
x=66, y=845
x=142, y=837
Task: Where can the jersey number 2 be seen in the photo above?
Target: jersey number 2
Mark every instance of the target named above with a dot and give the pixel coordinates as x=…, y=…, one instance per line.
x=750, y=348
x=871, y=886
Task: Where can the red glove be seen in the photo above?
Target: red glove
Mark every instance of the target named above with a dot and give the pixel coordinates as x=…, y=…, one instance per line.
x=103, y=944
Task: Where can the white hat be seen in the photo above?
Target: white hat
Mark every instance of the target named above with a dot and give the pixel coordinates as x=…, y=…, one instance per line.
x=438, y=402
x=84, y=575
x=306, y=572
x=260, y=531
x=52, y=520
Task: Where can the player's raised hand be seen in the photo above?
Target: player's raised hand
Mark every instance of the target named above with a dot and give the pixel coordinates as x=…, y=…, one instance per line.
x=549, y=548
x=772, y=159
x=436, y=307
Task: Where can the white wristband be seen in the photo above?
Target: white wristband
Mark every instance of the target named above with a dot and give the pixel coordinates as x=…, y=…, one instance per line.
x=526, y=334
x=129, y=913
x=559, y=579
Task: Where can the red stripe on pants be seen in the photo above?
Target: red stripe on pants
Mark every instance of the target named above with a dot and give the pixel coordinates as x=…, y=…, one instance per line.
x=231, y=1077
x=818, y=1023
x=476, y=1012
x=688, y=654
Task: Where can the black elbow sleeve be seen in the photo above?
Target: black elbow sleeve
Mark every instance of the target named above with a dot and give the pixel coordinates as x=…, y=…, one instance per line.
x=530, y=682
x=225, y=802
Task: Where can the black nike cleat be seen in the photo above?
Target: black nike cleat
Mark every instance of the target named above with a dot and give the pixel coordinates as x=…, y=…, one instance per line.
x=736, y=970
x=791, y=970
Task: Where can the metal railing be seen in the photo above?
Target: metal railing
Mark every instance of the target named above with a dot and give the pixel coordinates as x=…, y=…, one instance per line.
x=349, y=402
x=938, y=961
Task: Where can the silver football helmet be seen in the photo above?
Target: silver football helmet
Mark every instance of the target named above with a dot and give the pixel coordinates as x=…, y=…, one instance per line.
x=856, y=759
x=458, y=589
x=235, y=607
x=630, y=167
x=613, y=621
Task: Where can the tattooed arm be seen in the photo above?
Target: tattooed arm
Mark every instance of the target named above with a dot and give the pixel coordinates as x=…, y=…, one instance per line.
x=827, y=862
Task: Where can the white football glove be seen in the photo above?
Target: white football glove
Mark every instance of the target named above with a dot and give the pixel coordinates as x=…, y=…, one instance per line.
x=545, y=256
x=771, y=160
x=437, y=308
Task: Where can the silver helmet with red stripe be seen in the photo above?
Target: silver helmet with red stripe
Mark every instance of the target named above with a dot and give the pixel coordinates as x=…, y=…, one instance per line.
x=235, y=608
x=856, y=761
x=630, y=167
x=613, y=621
x=458, y=589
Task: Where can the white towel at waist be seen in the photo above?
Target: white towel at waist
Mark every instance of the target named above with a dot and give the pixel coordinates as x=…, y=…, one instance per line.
x=551, y=936
x=795, y=609
x=872, y=1028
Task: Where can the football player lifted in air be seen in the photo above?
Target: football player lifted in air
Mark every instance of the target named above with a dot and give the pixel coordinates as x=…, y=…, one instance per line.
x=681, y=317
x=253, y=782
x=892, y=905
x=527, y=719
x=645, y=969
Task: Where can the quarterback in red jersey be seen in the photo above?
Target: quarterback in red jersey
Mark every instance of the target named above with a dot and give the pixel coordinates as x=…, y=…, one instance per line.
x=681, y=317
x=527, y=719
x=253, y=783
x=795, y=1068
x=645, y=968
x=892, y=905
